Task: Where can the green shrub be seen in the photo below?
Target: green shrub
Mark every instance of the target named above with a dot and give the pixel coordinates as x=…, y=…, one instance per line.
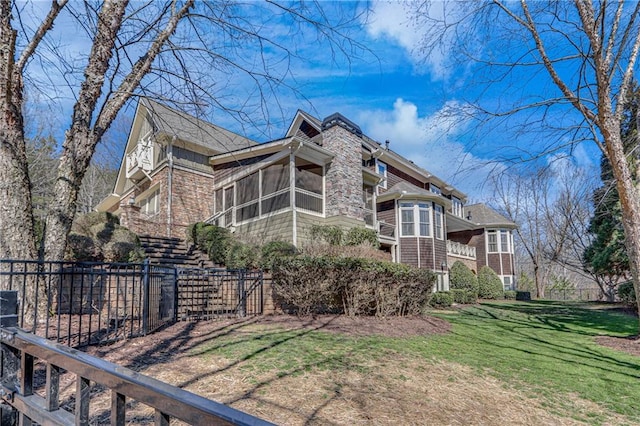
x=441, y=299
x=329, y=234
x=118, y=251
x=242, y=256
x=81, y=248
x=463, y=296
x=489, y=284
x=211, y=239
x=627, y=293
x=274, y=250
x=359, y=235
x=510, y=294
x=461, y=277
x=99, y=237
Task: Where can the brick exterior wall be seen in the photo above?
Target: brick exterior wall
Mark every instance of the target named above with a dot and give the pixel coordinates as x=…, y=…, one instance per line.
x=344, y=174
x=192, y=201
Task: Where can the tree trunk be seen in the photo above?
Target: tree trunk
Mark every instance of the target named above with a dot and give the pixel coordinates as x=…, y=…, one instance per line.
x=629, y=199
x=17, y=236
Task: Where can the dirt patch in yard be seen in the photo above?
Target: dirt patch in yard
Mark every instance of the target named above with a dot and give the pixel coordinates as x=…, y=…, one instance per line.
x=387, y=390
x=625, y=344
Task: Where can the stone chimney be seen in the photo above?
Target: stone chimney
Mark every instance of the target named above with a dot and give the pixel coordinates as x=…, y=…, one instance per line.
x=344, y=174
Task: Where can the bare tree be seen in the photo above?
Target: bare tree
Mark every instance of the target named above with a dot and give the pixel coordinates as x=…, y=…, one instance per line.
x=173, y=50
x=587, y=52
x=524, y=200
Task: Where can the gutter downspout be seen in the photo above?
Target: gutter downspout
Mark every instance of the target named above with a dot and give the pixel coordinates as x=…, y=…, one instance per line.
x=170, y=183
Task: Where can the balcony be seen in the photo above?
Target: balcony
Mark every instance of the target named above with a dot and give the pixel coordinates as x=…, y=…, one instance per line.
x=140, y=160
x=460, y=250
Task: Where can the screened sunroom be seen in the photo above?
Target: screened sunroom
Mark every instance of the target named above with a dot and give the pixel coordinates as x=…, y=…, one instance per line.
x=282, y=182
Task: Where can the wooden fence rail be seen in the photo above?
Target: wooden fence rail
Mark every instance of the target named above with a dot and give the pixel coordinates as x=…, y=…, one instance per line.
x=19, y=350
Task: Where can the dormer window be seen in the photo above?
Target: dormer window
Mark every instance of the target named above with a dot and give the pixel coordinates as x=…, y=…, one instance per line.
x=381, y=169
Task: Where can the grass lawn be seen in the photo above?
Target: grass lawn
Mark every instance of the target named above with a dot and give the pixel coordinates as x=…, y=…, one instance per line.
x=542, y=350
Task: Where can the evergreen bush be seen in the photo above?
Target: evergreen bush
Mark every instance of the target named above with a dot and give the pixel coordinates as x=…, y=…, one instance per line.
x=359, y=235
x=463, y=296
x=461, y=277
x=489, y=284
x=274, y=250
x=441, y=299
x=627, y=293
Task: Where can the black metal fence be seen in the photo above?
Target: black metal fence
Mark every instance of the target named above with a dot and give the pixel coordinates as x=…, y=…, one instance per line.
x=80, y=304
x=589, y=294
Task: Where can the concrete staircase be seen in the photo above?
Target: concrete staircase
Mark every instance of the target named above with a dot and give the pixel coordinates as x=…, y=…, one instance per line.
x=173, y=251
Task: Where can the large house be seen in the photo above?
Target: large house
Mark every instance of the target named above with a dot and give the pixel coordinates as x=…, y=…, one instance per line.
x=178, y=169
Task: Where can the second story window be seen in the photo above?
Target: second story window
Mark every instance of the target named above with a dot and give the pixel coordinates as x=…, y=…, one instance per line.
x=499, y=241
x=438, y=222
x=456, y=207
x=435, y=189
x=408, y=214
x=381, y=169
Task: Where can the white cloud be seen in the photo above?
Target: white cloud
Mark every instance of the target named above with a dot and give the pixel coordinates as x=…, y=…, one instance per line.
x=431, y=142
x=420, y=30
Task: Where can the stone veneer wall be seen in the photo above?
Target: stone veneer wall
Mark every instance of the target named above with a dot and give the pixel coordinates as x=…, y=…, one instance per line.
x=344, y=174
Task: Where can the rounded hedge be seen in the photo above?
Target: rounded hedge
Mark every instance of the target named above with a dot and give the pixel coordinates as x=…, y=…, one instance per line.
x=461, y=277
x=489, y=284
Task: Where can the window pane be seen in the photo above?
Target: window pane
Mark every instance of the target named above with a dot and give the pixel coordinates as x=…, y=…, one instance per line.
x=247, y=212
x=504, y=241
x=228, y=198
x=275, y=178
x=248, y=189
x=493, y=242
x=438, y=221
x=309, y=177
x=275, y=203
x=407, y=222
x=425, y=219
x=217, y=201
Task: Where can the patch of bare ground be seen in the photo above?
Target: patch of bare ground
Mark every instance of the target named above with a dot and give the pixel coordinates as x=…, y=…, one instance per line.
x=630, y=345
x=392, y=390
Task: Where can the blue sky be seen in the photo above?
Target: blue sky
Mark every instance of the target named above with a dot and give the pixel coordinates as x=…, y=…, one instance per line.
x=392, y=89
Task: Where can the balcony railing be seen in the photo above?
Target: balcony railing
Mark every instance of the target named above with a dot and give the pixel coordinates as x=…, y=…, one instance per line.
x=460, y=250
x=141, y=158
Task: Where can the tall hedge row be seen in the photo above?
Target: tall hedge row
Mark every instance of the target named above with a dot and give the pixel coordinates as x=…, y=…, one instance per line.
x=353, y=286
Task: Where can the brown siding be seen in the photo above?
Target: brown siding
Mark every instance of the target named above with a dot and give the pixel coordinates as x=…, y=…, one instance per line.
x=408, y=249
x=426, y=253
x=441, y=253
x=494, y=262
x=396, y=176
x=386, y=212
x=507, y=264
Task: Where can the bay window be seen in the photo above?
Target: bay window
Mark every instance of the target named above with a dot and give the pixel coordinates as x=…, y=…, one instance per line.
x=499, y=241
x=409, y=226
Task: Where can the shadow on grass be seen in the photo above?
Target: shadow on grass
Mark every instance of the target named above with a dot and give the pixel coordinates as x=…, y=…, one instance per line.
x=187, y=343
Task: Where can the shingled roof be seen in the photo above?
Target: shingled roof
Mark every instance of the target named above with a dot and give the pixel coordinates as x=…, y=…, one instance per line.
x=486, y=216
x=194, y=130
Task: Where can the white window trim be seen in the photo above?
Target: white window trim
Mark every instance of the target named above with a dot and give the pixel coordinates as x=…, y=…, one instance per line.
x=383, y=183
x=440, y=209
x=416, y=208
x=498, y=232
